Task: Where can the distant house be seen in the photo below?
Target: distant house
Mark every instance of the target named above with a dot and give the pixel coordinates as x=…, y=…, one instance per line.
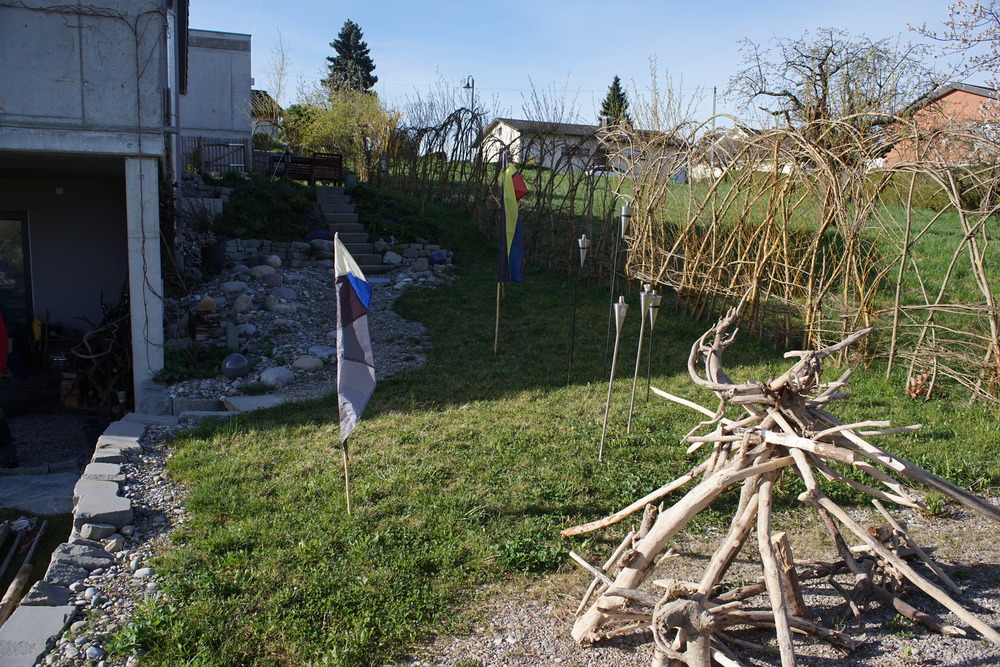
x=573, y=147
x=265, y=114
x=956, y=124
x=736, y=148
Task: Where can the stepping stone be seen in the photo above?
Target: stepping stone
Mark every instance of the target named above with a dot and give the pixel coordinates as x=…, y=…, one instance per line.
x=30, y=632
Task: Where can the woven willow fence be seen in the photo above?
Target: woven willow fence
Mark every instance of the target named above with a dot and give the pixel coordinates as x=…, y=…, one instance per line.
x=824, y=233
x=827, y=238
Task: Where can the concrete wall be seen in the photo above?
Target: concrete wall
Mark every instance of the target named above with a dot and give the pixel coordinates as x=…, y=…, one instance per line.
x=78, y=82
x=217, y=103
x=77, y=244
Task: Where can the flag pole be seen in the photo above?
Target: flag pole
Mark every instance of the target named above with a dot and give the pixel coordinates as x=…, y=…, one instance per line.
x=496, y=331
x=347, y=481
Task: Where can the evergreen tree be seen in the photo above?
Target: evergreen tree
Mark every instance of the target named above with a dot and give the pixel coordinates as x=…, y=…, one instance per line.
x=615, y=105
x=352, y=67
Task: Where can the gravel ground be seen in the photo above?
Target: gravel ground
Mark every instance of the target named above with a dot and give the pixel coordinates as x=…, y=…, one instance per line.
x=528, y=623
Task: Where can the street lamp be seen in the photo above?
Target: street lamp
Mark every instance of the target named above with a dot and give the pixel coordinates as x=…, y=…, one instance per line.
x=470, y=85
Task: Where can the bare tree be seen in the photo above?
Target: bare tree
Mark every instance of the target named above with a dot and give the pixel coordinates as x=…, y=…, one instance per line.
x=972, y=30
x=831, y=76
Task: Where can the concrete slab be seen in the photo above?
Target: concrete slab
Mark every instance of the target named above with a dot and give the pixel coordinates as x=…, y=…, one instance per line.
x=44, y=495
x=102, y=508
x=65, y=574
x=30, y=632
x=81, y=555
x=126, y=444
x=108, y=455
x=125, y=429
x=182, y=405
x=151, y=420
x=108, y=472
x=206, y=414
x=247, y=403
x=44, y=594
x=87, y=486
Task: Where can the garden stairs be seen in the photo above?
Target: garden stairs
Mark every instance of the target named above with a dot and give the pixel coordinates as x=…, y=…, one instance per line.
x=342, y=219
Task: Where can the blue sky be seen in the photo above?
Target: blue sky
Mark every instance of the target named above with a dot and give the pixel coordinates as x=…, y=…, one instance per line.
x=567, y=50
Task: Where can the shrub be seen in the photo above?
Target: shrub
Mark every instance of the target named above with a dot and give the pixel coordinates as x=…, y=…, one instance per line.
x=280, y=210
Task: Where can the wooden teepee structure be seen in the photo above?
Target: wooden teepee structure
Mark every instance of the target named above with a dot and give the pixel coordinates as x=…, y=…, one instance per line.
x=786, y=429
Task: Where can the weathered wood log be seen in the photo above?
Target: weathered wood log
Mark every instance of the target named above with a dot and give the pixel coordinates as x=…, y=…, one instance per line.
x=610, y=562
x=935, y=568
x=789, y=577
x=815, y=497
x=667, y=525
x=916, y=473
x=772, y=577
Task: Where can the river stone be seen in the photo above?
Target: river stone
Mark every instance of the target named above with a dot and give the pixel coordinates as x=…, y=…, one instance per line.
x=283, y=308
x=273, y=261
x=277, y=377
x=261, y=270
x=308, y=363
x=246, y=329
x=243, y=303
x=323, y=352
x=285, y=293
x=206, y=305
x=272, y=279
x=233, y=287
x=392, y=258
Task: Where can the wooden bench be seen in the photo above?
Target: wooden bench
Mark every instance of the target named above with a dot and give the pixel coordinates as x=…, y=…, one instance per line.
x=323, y=167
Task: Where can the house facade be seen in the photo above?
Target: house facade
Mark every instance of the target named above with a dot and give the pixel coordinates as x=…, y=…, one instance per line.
x=956, y=125
x=574, y=148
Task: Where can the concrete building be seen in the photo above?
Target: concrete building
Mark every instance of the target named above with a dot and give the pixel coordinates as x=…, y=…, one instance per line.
x=215, y=114
x=89, y=133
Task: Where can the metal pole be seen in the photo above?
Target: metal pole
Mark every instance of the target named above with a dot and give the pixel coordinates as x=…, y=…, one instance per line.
x=583, y=244
x=626, y=214
x=619, y=309
x=645, y=299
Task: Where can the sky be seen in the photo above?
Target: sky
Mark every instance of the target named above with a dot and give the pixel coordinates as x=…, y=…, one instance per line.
x=563, y=53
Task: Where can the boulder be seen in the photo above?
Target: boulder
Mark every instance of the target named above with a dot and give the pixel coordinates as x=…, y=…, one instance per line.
x=308, y=363
x=277, y=377
x=233, y=287
x=242, y=304
x=392, y=258
x=261, y=270
x=206, y=305
x=284, y=293
x=272, y=279
x=273, y=261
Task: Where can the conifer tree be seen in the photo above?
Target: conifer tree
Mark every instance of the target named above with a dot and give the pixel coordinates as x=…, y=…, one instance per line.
x=352, y=67
x=615, y=105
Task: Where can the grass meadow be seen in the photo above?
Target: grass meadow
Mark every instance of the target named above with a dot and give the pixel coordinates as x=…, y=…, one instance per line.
x=464, y=471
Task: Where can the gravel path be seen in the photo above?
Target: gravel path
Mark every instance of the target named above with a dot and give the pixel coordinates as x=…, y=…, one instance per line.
x=527, y=622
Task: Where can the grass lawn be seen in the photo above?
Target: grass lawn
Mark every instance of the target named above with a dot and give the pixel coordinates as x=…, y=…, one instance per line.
x=463, y=473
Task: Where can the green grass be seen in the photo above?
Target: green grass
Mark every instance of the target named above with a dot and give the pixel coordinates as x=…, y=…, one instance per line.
x=463, y=473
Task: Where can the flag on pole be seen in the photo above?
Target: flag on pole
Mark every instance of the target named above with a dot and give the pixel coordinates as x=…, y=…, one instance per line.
x=511, y=234
x=355, y=363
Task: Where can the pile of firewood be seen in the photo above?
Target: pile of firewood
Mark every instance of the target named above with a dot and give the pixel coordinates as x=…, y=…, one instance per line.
x=786, y=429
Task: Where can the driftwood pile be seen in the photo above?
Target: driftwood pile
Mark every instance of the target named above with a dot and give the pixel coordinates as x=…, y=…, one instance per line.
x=786, y=430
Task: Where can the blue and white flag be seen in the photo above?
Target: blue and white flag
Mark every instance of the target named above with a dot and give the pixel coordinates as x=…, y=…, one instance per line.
x=355, y=363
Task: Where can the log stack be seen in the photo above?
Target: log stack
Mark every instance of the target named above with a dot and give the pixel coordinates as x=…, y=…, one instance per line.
x=785, y=428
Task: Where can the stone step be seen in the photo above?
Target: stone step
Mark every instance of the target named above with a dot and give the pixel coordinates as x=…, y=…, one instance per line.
x=348, y=238
x=328, y=209
x=346, y=227
x=364, y=259
x=335, y=218
x=359, y=248
x=325, y=200
x=374, y=269
x=322, y=190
